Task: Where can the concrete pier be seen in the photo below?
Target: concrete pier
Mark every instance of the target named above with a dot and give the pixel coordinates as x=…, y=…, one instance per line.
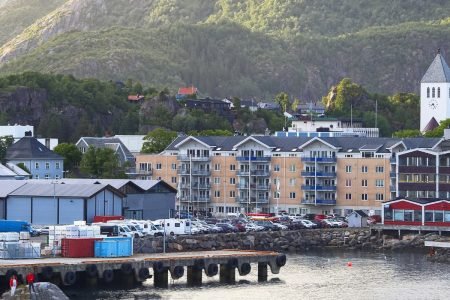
x=68, y=271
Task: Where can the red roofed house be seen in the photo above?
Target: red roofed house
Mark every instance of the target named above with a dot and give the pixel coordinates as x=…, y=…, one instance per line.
x=184, y=92
x=135, y=98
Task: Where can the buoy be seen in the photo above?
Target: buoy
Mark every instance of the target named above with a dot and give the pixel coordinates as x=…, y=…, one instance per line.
x=349, y=264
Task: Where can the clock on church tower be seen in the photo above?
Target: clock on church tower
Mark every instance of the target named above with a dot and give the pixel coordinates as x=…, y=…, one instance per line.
x=435, y=94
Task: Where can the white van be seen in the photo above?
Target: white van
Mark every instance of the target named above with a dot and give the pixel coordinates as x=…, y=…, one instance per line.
x=148, y=228
x=175, y=226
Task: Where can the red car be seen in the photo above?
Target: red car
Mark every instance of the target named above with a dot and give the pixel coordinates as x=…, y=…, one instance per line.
x=320, y=217
x=375, y=219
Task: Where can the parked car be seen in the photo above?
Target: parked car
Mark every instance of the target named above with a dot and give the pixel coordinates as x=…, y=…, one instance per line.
x=253, y=227
x=268, y=225
x=280, y=226
x=226, y=227
x=240, y=226
x=308, y=224
x=320, y=217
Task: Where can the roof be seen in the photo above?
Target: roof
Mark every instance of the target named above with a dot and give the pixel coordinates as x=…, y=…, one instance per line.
x=10, y=185
x=419, y=201
x=30, y=148
x=361, y=213
x=145, y=185
x=438, y=71
x=5, y=171
x=60, y=190
x=431, y=125
x=187, y=90
x=135, y=97
x=16, y=169
x=113, y=143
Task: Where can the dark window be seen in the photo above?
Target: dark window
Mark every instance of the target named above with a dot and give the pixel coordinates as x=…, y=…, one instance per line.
x=438, y=216
x=417, y=216
x=177, y=224
x=428, y=216
x=428, y=92
x=439, y=92
x=408, y=215
x=433, y=93
x=387, y=214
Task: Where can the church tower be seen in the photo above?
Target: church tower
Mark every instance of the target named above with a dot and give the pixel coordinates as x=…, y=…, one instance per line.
x=435, y=94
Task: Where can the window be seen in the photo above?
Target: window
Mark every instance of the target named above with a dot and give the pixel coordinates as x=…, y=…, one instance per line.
x=364, y=197
x=379, y=183
x=379, y=169
x=428, y=92
x=232, y=180
x=348, y=196
x=292, y=181
x=292, y=168
x=348, y=169
x=174, y=166
x=348, y=182
x=439, y=92
x=276, y=195
x=292, y=195
x=364, y=182
x=276, y=168
x=216, y=167
x=57, y=166
x=56, y=176
x=158, y=166
x=36, y=176
x=216, y=180
x=432, y=93
x=174, y=180
x=379, y=197
x=217, y=194
x=232, y=194
x=36, y=165
x=232, y=167
x=364, y=169
x=47, y=176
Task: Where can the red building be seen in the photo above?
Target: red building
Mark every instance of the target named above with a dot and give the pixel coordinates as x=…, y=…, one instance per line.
x=417, y=212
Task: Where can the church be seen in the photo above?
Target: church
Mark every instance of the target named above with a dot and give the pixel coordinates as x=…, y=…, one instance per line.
x=435, y=94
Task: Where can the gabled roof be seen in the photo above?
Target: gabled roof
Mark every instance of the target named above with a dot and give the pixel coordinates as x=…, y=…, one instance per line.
x=432, y=124
x=321, y=140
x=144, y=185
x=18, y=170
x=258, y=140
x=8, y=186
x=205, y=141
x=438, y=71
x=108, y=142
x=61, y=190
x=30, y=148
x=187, y=90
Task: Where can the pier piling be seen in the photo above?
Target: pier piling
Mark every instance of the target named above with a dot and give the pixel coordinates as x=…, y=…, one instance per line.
x=227, y=274
x=262, y=271
x=194, y=276
x=161, y=279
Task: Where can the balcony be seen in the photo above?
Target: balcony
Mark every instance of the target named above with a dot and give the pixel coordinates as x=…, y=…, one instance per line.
x=392, y=174
x=252, y=200
x=195, y=199
x=195, y=172
x=319, y=202
x=319, y=188
x=139, y=171
x=264, y=173
x=318, y=174
x=319, y=159
x=393, y=160
x=392, y=188
x=253, y=158
x=193, y=158
x=196, y=186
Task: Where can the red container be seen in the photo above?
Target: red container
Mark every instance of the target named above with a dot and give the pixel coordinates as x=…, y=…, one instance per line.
x=78, y=247
x=104, y=219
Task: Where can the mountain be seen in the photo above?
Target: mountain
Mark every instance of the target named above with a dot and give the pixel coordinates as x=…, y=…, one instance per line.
x=224, y=47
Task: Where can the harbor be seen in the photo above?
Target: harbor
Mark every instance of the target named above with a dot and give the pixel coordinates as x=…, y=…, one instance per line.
x=140, y=267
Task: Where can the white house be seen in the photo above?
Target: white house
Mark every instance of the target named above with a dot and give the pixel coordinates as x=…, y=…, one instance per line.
x=357, y=218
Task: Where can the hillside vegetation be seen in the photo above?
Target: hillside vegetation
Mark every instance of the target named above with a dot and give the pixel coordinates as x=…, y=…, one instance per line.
x=233, y=47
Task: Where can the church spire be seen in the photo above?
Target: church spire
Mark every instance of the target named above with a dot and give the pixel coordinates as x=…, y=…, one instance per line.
x=438, y=71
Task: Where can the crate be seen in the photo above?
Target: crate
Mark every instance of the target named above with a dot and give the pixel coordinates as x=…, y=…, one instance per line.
x=78, y=247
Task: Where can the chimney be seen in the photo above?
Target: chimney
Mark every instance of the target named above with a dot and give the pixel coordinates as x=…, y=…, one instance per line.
x=28, y=133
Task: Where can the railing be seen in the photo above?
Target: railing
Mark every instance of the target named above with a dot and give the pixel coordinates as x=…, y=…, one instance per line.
x=318, y=187
x=318, y=174
x=319, y=159
x=193, y=158
x=254, y=158
x=195, y=199
x=392, y=188
x=196, y=172
x=319, y=201
x=252, y=200
x=392, y=174
x=254, y=173
x=196, y=186
x=144, y=172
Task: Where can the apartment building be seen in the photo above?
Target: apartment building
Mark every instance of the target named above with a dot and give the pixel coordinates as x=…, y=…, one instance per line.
x=294, y=174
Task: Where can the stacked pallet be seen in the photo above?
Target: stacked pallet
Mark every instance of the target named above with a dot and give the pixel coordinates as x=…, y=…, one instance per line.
x=15, y=245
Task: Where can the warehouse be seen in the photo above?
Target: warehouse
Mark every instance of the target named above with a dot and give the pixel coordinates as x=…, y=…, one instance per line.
x=53, y=203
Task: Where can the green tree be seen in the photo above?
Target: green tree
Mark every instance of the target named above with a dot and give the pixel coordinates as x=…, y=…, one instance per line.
x=101, y=163
x=283, y=100
x=23, y=167
x=406, y=133
x=439, y=131
x=72, y=156
x=295, y=105
x=158, y=140
x=5, y=142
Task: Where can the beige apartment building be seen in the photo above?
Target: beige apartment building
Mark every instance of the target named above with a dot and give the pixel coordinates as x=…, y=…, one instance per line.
x=270, y=174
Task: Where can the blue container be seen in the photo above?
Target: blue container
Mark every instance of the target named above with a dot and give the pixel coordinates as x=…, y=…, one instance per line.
x=114, y=247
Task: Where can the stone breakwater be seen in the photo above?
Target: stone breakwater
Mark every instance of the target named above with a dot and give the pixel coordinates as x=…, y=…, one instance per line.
x=287, y=241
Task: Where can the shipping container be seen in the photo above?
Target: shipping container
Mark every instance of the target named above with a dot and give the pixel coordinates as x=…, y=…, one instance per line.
x=78, y=247
x=114, y=247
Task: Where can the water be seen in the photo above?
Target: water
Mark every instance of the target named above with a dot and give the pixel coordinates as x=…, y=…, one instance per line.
x=315, y=275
